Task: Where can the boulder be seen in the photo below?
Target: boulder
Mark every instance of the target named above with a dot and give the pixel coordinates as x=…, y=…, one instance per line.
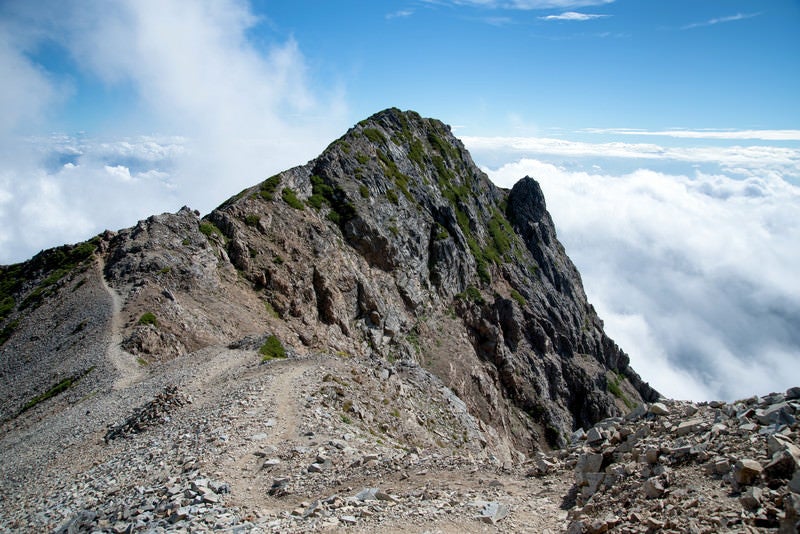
x=780, y=413
x=653, y=488
x=751, y=498
x=594, y=435
x=589, y=462
x=658, y=408
x=746, y=471
x=794, y=483
x=690, y=426
x=783, y=465
x=492, y=512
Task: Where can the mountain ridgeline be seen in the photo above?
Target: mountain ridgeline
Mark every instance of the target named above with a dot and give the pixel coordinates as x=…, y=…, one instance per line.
x=390, y=245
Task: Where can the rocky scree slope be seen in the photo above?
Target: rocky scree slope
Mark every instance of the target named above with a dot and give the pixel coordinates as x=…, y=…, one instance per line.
x=390, y=243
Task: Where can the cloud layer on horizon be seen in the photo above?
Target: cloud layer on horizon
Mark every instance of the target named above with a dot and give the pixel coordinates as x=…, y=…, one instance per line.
x=749, y=161
x=242, y=113
x=574, y=16
x=693, y=274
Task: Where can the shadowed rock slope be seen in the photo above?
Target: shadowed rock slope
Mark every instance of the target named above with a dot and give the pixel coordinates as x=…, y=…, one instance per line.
x=391, y=244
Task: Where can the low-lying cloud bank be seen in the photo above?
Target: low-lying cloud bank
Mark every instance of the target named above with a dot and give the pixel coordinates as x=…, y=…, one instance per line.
x=695, y=274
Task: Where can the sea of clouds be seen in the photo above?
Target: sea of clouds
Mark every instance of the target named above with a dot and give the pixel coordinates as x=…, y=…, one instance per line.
x=694, y=269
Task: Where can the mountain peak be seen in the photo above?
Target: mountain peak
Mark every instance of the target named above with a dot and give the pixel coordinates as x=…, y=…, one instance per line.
x=392, y=244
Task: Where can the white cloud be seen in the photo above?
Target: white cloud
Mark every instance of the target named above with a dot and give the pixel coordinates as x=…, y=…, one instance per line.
x=26, y=92
x=120, y=172
x=765, y=135
x=572, y=15
x=694, y=275
x=78, y=188
x=720, y=20
x=236, y=113
x=524, y=4
x=401, y=14
x=749, y=160
x=498, y=21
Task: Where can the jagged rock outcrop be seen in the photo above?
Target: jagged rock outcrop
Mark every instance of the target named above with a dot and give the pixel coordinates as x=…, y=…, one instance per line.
x=391, y=243
x=427, y=236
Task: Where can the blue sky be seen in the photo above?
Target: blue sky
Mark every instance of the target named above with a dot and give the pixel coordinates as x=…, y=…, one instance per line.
x=666, y=137
x=494, y=68
x=644, y=64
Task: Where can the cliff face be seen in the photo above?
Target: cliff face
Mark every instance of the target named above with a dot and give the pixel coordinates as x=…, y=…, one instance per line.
x=391, y=244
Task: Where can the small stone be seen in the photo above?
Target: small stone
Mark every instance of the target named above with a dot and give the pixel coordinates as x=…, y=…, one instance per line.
x=382, y=496
x=367, y=494
x=316, y=468
x=219, y=487
x=751, y=499
x=348, y=519
x=492, y=512
x=259, y=437
x=577, y=527
x=653, y=488
x=637, y=412
x=591, y=484
x=778, y=442
x=793, y=393
x=658, y=408
x=651, y=455
x=722, y=466
x=689, y=426
x=598, y=526
x=794, y=483
x=180, y=514
x=594, y=435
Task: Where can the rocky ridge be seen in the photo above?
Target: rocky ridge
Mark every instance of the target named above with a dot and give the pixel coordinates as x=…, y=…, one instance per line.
x=392, y=242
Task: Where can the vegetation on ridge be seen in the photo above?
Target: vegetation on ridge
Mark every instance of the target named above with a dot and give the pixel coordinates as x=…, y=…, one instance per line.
x=342, y=210
x=272, y=349
x=208, y=228
x=148, y=318
x=268, y=187
x=60, y=262
x=290, y=197
x=54, y=390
